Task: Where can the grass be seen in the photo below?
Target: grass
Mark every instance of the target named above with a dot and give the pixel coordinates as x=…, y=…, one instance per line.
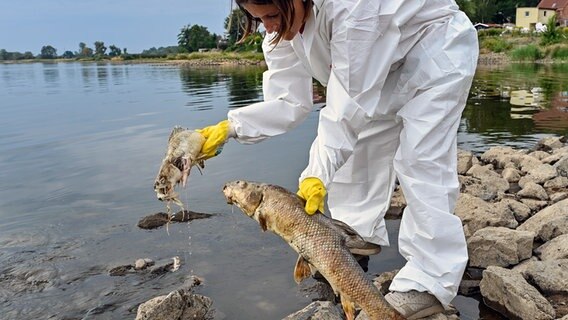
x=527, y=53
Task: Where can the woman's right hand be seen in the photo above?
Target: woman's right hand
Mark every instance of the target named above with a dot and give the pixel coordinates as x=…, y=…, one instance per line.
x=215, y=138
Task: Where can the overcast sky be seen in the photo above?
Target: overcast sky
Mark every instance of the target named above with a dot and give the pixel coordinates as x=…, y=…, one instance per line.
x=28, y=25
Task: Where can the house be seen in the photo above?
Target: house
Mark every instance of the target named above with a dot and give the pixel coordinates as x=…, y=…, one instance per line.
x=558, y=7
x=528, y=17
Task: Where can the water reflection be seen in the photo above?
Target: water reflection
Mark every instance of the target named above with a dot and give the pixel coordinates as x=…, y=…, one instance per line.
x=514, y=105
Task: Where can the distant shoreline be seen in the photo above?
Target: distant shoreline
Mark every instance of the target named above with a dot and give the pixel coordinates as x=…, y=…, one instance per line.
x=486, y=60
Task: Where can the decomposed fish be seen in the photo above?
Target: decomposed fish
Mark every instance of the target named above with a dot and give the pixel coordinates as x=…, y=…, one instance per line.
x=184, y=147
x=322, y=243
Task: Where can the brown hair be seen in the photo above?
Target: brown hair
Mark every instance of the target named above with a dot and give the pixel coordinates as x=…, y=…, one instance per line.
x=286, y=8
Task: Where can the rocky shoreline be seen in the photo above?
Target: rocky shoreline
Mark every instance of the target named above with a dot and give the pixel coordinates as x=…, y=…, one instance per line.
x=514, y=210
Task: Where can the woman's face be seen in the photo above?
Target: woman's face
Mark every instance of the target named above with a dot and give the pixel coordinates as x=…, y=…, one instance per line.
x=271, y=17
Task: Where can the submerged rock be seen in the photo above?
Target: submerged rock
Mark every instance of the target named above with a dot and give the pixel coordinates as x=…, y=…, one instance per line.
x=159, y=219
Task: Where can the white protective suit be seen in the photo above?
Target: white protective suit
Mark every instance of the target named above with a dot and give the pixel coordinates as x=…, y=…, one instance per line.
x=397, y=75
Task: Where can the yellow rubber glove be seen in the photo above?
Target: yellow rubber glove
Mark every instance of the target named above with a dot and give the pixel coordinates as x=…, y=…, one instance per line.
x=313, y=191
x=215, y=136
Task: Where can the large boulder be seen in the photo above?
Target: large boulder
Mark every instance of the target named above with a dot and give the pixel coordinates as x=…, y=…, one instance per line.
x=508, y=292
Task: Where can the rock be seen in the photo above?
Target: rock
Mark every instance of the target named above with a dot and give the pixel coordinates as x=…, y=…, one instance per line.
x=186, y=215
x=559, y=196
x=324, y=310
x=542, y=173
x=549, y=277
x=529, y=164
x=180, y=305
x=479, y=189
x=520, y=210
x=397, y=205
x=501, y=156
x=554, y=249
x=556, y=183
x=511, y=175
x=539, y=154
x=534, y=205
x=488, y=176
x=477, y=214
x=154, y=221
x=562, y=166
x=549, y=222
x=384, y=280
x=159, y=219
x=166, y=266
x=142, y=264
x=508, y=292
x=120, y=270
x=465, y=161
x=469, y=287
x=551, y=143
x=533, y=191
x=498, y=246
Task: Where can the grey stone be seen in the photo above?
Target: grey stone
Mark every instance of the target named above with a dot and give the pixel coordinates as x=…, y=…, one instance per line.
x=542, y=173
x=465, y=161
x=501, y=156
x=551, y=143
x=556, y=183
x=562, y=166
x=535, y=205
x=559, y=196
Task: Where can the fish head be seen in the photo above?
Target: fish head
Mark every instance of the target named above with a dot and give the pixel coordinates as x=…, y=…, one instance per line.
x=168, y=176
x=244, y=194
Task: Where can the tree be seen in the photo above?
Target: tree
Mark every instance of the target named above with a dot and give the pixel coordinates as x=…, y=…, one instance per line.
x=234, y=26
x=3, y=54
x=68, y=55
x=84, y=51
x=100, y=48
x=48, y=52
x=195, y=37
x=114, y=51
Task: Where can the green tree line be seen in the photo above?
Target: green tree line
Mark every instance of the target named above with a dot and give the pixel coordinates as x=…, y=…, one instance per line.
x=193, y=38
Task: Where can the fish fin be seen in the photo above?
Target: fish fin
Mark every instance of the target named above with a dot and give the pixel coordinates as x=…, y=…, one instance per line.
x=353, y=241
x=348, y=307
x=301, y=270
x=175, y=130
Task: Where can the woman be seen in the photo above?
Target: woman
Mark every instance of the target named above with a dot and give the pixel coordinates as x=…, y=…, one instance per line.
x=397, y=75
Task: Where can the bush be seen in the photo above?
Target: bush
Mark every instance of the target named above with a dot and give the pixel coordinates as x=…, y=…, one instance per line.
x=492, y=32
x=558, y=52
x=495, y=44
x=527, y=53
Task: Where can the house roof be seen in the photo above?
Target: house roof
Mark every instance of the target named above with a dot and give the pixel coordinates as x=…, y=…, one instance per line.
x=552, y=4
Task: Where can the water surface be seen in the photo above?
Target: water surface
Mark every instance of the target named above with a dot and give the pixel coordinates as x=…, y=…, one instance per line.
x=80, y=145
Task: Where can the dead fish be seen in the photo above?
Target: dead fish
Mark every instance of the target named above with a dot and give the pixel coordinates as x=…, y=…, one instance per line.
x=321, y=242
x=184, y=148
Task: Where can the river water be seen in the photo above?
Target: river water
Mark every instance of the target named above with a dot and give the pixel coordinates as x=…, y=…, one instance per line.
x=80, y=145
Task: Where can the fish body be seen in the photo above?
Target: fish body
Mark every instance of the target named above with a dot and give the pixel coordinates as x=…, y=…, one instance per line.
x=322, y=243
x=184, y=148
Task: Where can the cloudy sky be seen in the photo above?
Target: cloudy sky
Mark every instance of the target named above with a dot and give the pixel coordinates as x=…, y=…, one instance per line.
x=28, y=25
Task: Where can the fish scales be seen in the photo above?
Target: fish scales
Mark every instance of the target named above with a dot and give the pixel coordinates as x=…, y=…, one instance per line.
x=282, y=212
